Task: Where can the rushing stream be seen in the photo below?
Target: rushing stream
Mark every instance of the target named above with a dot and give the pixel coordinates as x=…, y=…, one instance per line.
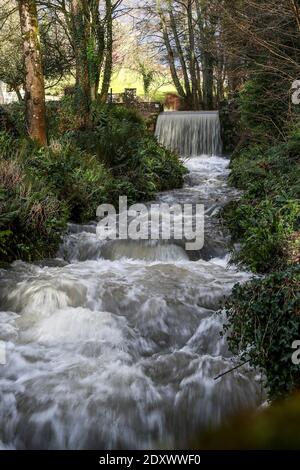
x=116, y=345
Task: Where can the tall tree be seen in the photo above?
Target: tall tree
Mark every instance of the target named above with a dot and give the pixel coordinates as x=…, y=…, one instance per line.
x=262, y=40
x=34, y=79
x=206, y=43
x=109, y=50
x=57, y=54
x=80, y=37
x=95, y=45
x=187, y=30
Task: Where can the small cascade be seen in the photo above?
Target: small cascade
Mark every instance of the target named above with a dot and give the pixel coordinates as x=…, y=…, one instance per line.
x=190, y=133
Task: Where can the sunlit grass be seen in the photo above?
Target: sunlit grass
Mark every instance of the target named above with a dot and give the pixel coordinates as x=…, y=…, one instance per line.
x=124, y=78
x=127, y=78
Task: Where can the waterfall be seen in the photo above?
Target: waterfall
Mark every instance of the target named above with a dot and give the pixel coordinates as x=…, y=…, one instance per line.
x=190, y=133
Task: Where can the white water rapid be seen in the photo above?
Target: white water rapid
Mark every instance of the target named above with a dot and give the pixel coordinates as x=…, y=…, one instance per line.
x=117, y=345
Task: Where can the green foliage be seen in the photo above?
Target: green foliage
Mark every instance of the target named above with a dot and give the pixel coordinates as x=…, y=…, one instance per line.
x=118, y=132
x=230, y=124
x=139, y=165
x=160, y=165
x=268, y=170
x=56, y=51
x=264, y=112
x=263, y=322
x=16, y=114
x=263, y=315
x=74, y=175
x=267, y=214
x=131, y=152
x=31, y=216
x=66, y=118
x=42, y=188
x=264, y=230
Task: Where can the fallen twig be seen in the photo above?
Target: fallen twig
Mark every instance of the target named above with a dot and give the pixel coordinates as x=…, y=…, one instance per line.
x=231, y=370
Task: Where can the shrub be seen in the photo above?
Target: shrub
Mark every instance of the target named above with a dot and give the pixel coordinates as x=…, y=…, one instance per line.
x=41, y=188
x=263, y=321
x=31, y=216
x=75, y=173
x=160, y=164
x=16, y=113
x=230, y=124
x=267, y=215
x=264, y=230
x=75, y=176
x=67, y=119
x=135, y=159
x=264, y=113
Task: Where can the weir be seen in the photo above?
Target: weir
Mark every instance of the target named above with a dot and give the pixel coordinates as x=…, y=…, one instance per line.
x=190, y=133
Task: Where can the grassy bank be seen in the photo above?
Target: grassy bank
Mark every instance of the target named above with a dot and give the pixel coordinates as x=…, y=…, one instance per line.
x=266, y=218
x=43, y=188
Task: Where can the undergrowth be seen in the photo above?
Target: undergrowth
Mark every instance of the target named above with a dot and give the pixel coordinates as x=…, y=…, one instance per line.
x=43, y=188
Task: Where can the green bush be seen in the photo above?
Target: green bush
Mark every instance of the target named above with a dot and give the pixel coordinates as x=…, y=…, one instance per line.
x=78, y=171
x=117, y=133
x=32, y=218
x=263, y=230
x=139, y=165
x=42, y=188
x=263, y=321
x=268, y=213
x=264, y=111
x=118, y=137
x=16, y=112
x=230, y=121
x=161, y=165
x=263, y=316
x=75, y=176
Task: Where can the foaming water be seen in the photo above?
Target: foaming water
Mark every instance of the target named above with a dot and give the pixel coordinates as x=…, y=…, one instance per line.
x=116, y=345
x=190, y=133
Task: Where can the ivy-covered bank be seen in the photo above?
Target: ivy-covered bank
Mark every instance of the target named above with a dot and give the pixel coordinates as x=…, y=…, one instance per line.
x=41, y=189
x=264, y=314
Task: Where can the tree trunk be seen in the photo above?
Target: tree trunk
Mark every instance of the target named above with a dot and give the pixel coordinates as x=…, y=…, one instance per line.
x=82, y=89
x=220, y=69
x=192, y=58
x=171, y=59
x=180, y=55
x=207, y=58
x=34, y=79
x=199, y=85
x=96, y=47
x=208, y=81
x=296, y=10
x=108, y=59
x=233, y=75
x=18, y=93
